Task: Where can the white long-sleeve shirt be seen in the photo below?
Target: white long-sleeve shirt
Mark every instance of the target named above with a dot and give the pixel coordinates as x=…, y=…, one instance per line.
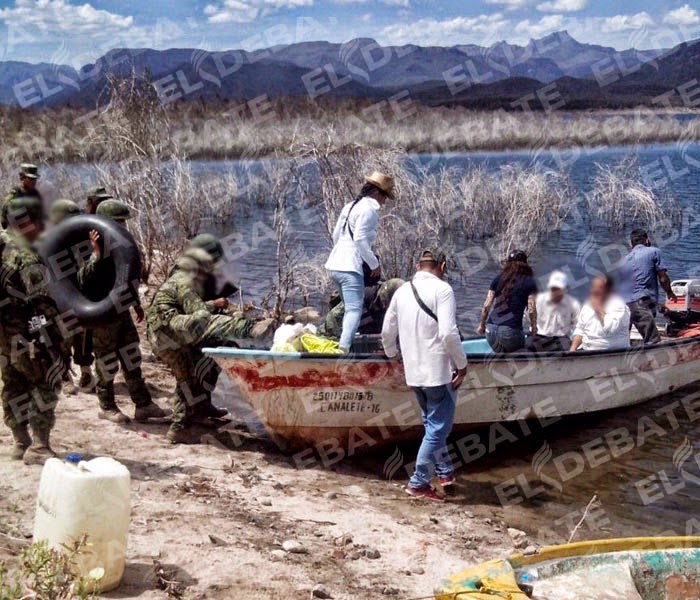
x=350, y=251
x=431, y=350
x=612, y=333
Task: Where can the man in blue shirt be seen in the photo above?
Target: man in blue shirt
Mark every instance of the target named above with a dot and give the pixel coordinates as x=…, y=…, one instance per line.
x=639, y=276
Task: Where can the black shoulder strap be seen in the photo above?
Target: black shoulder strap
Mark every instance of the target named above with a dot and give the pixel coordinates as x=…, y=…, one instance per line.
x=347, y=218
x=422, y=304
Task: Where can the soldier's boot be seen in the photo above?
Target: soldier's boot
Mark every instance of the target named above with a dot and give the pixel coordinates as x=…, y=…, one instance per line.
x=114, y=415
x=151, y=411
x=209, y=411
x=179, y=435
x=22, y=441
x=40, y=449
x=87, y=379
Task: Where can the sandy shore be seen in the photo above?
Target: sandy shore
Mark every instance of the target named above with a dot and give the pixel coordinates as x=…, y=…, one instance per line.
x=216, y=517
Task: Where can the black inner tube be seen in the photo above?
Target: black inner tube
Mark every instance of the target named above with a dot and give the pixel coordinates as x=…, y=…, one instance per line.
x=65, y=247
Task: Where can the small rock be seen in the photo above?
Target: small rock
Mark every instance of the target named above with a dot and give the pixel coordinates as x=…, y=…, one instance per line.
x=470, y=545
x=330, y=495
x=390, y=590
x=530, y=550
x=355, y=555
x=265, y=501
x=217, y=541
x=277, y=485
x=418, y=570
x=434, y=520
x=319, y=591
x=294, y=547
x=516, y=533
x=469, y=514
x=372, y=553
x=488, y=521
x=343, y=540
x=278, y=555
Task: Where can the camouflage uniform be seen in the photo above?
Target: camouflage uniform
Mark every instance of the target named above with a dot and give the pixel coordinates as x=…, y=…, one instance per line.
x=16, y=191
x=376, y=302
x=114, y=344
x=179, y=325
x=33, y=362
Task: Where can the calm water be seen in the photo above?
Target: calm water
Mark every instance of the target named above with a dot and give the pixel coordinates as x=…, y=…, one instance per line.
x=647, y=479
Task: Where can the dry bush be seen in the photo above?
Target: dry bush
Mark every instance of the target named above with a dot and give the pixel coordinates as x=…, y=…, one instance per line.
x=620, y=199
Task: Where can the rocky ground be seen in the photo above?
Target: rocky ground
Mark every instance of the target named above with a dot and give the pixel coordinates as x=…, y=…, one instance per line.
x=222, y=522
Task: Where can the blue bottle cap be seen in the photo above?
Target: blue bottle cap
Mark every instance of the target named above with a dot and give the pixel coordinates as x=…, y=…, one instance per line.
x=73, y=458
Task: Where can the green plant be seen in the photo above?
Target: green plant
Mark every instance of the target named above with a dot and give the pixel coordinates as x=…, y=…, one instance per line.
x=50, y=573
x=10, y=588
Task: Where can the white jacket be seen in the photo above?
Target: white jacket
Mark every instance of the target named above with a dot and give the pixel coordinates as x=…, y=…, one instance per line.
x=348, y=253
x=431, y=350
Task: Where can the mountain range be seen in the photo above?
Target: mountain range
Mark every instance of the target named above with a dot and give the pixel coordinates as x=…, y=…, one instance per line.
x=553, y=69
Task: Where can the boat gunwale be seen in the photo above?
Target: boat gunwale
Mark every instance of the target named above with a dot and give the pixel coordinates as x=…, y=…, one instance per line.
x=242, y=353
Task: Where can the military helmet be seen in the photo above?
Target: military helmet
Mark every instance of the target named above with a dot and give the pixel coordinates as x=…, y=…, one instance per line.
x=98, y=192
x=24, y=207
x=387, y=290
x=29, y=171
x=114, y=209
x=62, y=209
x=204, y=260
x=210, y=243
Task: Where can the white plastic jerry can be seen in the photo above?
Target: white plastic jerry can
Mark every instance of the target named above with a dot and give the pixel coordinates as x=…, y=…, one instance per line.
x=86, y=498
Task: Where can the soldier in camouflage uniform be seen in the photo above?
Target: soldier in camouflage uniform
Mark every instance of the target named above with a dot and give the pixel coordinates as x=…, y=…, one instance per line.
x=28, y=175
x=116, y=343
x=95, y=197
x=377, y=299
x=32, y=345
x=59, y=211
x=180, y=323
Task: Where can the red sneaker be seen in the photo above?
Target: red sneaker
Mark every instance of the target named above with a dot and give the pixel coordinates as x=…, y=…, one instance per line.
x=426, y=492
x=447, y=481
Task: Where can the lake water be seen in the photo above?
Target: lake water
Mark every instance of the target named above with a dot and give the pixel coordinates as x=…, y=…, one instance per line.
x=640, y=462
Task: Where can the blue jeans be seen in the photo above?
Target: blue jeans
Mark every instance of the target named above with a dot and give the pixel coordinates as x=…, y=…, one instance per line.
x=352, y=290
x=504, y=339
x=437, y=405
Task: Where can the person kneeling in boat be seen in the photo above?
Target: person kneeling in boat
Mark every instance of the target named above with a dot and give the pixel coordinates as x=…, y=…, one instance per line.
x=180, y=323
x=422, y=319
x=604, y=321
x=557, y=315
x=377, y=299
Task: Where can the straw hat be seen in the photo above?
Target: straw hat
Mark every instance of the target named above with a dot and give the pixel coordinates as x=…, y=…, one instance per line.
x=382, y=181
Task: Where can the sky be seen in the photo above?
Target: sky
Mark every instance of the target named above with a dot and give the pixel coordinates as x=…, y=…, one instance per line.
x=76, y=33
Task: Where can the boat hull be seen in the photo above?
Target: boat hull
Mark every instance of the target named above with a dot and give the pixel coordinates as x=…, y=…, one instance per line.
x=359, y=402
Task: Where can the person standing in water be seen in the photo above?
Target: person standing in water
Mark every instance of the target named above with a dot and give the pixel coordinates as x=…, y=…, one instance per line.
x=352, y=260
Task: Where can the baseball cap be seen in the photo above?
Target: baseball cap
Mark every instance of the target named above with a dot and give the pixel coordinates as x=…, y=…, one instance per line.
x=558, y=280
x=433, y=255
x=517, y=256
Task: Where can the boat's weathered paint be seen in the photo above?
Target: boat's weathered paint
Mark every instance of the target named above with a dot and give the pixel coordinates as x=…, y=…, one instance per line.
x=644, y=568
x=360, y=401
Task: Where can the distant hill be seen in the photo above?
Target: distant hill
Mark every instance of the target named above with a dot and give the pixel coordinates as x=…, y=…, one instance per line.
x=501, y=75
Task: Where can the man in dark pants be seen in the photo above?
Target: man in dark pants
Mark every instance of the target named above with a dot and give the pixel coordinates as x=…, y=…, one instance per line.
x=639, y=276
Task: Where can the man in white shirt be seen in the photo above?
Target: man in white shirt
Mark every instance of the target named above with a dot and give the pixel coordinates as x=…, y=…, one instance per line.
x=604, y=322
x=557, y=314
x=422, y=318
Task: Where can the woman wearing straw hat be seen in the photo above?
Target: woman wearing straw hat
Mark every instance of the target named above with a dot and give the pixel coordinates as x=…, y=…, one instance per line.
x=352, y=261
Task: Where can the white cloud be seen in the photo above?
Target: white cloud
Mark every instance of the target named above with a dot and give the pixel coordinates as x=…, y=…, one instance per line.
x=402, y=3
x=482, y=29
x=246, y=11
x=510, y=4
x=627, y=22
x=562, y=5
x=545, y=25
x=59, y=16
x=685, y=15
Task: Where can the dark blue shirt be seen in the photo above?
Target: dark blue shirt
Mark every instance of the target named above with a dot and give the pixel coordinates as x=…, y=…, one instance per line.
x=509, y=312
x=638, y=274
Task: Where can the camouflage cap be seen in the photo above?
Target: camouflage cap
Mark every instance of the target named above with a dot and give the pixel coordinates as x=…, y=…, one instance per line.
x=24, y=207
x=98, y=192
x=433, y=255
x=62, y=209
x=114, y=209
x=204, y=260
x=29, y=171
x=210, y=243
x=387, y=290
